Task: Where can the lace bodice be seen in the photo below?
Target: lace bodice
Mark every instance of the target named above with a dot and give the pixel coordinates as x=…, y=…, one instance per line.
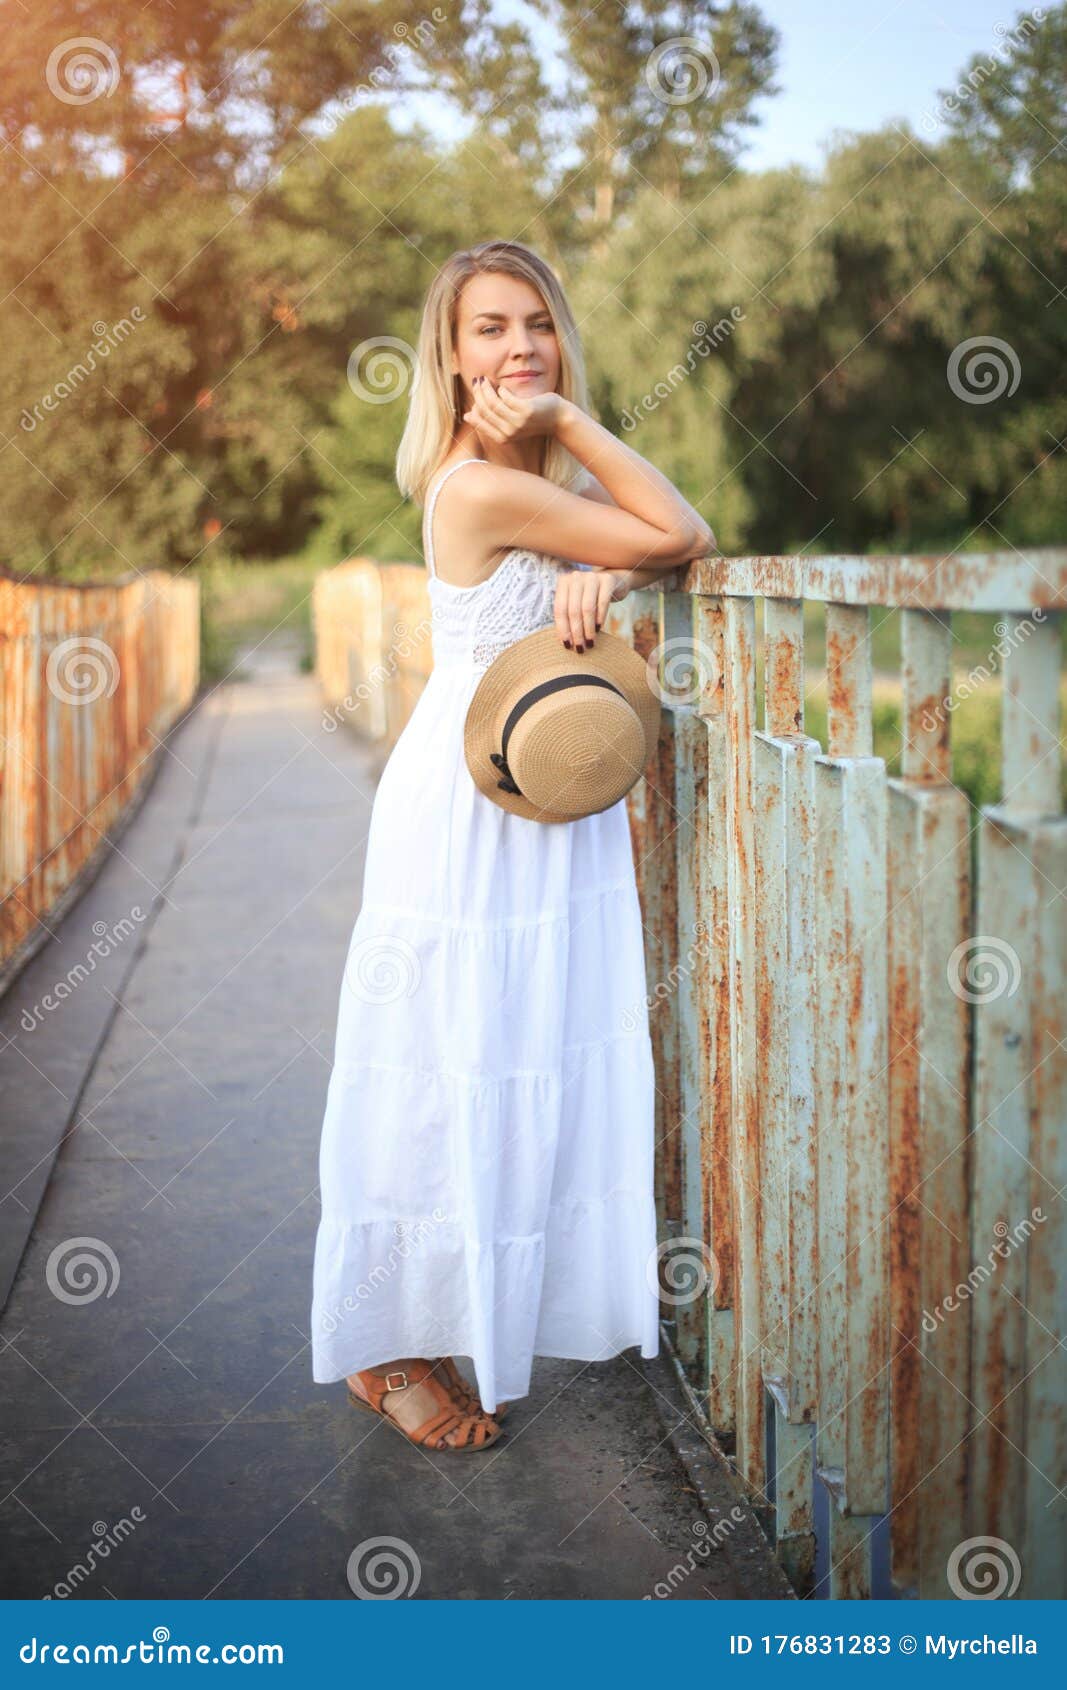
x=473, y=625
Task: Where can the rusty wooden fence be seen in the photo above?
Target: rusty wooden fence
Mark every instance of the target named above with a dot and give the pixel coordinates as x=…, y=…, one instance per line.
x=856, y=988
x=90, y=678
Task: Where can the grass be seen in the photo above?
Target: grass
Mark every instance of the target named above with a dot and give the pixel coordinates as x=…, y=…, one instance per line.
x=974, y=735
x=974, y=638
x=974, y=725
x=243, y=603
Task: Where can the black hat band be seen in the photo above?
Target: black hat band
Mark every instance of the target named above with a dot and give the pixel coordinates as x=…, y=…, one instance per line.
x=524, y=703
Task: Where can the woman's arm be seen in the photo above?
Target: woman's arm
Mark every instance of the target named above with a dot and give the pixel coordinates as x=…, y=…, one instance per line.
x=647, y=575
x=650, y=577
x=630, y=480
x=649, y=523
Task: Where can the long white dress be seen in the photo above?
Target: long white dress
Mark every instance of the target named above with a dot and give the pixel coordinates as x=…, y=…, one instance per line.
x=486, y=1159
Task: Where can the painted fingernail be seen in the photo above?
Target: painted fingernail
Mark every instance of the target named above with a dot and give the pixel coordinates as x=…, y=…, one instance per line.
x=581, y=648
x=567, y=643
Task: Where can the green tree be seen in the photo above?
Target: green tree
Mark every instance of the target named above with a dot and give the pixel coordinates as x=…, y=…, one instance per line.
x=664, y=90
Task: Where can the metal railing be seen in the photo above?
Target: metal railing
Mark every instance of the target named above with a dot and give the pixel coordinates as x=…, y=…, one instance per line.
x=863, y=1084
x=856, y=1011
x=90, y=678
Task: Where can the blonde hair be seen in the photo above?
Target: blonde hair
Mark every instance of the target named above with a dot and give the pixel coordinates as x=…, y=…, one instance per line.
x=436, y=407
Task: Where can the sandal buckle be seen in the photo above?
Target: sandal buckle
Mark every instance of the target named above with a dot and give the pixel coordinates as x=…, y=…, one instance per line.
x=398, y=1373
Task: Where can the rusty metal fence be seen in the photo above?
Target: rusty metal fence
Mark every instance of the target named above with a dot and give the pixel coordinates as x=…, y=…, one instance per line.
x=856, y=988
x=90, y=678
x=372, y=631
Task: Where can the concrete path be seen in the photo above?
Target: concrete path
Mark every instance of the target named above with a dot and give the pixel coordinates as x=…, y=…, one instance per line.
x=163, y=1095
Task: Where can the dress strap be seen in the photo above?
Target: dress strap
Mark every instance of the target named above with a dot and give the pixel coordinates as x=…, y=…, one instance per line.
x=427, y=537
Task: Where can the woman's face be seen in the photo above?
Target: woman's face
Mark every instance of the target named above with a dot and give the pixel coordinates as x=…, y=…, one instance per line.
x=503, y=328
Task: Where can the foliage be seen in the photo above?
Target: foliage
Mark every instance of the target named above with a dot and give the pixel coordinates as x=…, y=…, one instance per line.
x=244, y=199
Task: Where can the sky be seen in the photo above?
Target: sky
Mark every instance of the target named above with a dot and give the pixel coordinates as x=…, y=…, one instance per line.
x=843, y=64
x=858, y=66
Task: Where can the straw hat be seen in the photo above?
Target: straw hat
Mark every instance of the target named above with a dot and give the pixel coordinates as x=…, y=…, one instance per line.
x=553, y=734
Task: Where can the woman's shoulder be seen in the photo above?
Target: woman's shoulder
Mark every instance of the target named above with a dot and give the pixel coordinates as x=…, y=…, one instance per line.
x=586, y=486
x=449, y=463
x=461, y=555
x=469, y=493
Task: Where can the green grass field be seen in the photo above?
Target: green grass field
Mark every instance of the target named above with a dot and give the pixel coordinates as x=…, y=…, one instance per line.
x=243, y=603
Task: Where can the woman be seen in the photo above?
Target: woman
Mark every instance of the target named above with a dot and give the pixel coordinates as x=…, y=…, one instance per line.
x=486, y=1164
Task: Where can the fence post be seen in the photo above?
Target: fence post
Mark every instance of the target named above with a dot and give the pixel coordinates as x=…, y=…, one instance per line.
x=852, y=1441
x=1017, y=1447
x=785, y=847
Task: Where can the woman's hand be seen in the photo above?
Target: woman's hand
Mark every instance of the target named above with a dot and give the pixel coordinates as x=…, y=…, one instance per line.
x=500, y=415
x=582, y=600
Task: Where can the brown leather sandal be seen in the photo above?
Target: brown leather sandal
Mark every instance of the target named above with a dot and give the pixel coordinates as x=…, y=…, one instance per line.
x=464, y=1394
x=472, y=1431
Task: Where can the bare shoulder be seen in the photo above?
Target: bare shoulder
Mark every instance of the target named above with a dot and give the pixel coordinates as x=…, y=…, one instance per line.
x=470, y=502
x=491, y=510
x=501, y=496
x=464, y=555
x=499, y=488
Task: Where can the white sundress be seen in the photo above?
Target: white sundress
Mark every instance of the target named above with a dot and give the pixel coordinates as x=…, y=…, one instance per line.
x=486, y=1158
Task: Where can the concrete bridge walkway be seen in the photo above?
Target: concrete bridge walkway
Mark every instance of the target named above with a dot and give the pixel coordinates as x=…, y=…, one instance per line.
x=162, y=1101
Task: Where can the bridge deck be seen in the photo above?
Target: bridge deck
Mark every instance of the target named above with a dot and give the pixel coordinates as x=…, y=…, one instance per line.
x=168, y=1108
